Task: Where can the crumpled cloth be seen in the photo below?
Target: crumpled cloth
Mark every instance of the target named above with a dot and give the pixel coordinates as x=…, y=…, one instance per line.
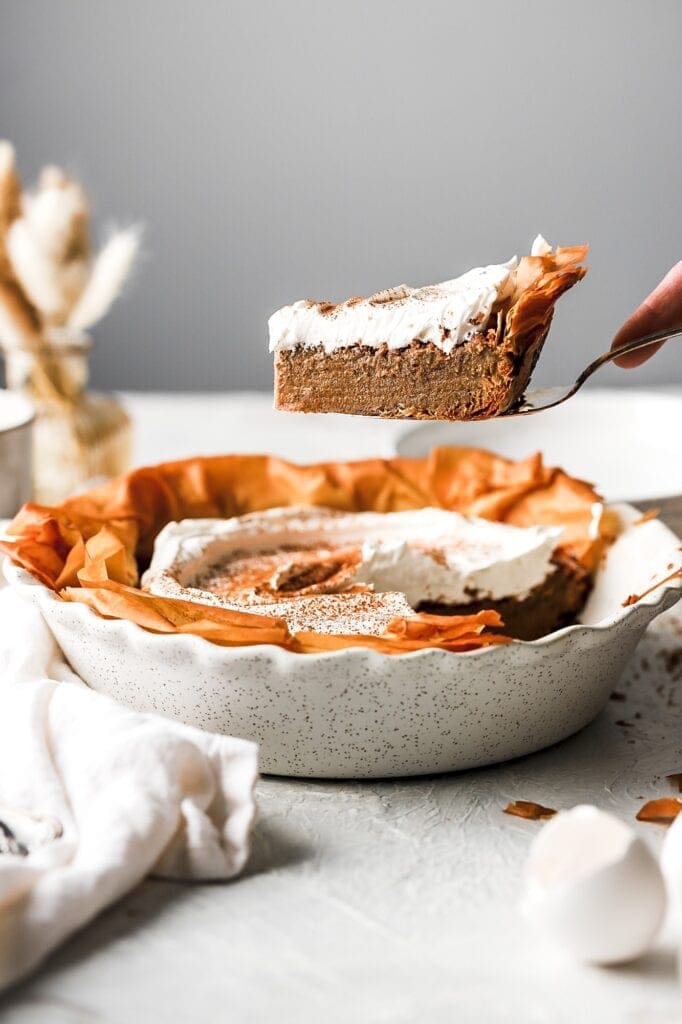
x=127, y=794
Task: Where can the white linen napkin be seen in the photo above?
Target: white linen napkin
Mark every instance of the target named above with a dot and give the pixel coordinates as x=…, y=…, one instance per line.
x=94, y=796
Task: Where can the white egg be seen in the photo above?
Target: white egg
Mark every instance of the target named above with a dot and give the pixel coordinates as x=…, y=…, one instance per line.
x=671, y=866
x=594, y=887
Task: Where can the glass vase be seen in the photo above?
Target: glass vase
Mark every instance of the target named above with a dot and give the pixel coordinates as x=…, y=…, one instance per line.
x=80, y=437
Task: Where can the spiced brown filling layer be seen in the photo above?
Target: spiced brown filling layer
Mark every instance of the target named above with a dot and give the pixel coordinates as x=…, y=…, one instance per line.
x=550, y=606
x=480, y=378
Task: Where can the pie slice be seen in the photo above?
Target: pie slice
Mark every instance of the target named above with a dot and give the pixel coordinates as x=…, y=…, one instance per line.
x=461, y=350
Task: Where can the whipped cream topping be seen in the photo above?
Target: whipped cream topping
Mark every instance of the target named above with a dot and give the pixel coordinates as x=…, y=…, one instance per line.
x=446, y=314
x=540, y=246
x=263, y=561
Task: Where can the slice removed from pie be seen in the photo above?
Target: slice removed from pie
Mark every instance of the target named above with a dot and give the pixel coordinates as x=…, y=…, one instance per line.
x=460, y=350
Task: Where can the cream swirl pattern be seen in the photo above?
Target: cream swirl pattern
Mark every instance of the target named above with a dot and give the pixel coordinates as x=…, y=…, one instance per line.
x=340, y=572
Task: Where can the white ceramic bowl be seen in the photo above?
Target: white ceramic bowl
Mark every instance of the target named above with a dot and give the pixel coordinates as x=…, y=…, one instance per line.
x=360, y=714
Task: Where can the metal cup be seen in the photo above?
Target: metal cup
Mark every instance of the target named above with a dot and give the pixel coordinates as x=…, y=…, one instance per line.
x=16, y=429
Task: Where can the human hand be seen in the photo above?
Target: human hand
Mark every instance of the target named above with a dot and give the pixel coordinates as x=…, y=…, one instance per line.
x=661, y=309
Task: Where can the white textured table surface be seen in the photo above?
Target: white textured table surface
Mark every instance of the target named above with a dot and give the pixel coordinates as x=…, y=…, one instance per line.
x=382, y=902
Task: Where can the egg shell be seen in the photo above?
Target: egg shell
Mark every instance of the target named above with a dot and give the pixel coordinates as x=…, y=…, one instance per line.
x=594, y=887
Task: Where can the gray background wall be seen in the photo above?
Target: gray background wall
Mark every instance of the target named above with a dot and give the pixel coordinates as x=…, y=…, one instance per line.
x=282, y=150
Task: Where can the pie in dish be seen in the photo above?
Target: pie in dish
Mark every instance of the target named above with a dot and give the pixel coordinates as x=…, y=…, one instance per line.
x=373, y=534
x=348, y=573
x=461, y=350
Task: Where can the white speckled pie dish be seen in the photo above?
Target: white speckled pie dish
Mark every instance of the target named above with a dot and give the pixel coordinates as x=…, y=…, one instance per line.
x=359, y=714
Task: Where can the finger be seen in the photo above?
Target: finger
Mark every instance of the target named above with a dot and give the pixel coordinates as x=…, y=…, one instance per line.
x=633, y=359
x=661, y=309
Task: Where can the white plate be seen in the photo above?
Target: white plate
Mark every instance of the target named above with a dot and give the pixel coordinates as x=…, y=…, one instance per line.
x=360, y=714
x=627, y=442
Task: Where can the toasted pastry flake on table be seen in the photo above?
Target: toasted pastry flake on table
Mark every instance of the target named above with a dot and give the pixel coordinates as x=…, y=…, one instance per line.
x=652, y=513
x=529, y=809
x=661, y=811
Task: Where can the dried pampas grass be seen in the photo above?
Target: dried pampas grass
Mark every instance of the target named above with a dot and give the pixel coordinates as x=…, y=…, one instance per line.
x=52, y=288
x=111, y=269
x=10, y=200
x=47, y=284
x=50, y=283
x=10, y=189
x=19, y=324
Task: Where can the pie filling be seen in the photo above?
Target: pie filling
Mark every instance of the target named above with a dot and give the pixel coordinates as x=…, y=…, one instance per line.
x=349, y=573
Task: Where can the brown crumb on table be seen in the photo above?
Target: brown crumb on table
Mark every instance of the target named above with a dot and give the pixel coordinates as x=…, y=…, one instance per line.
x=676, y=779
x=624, y=724
x=662, y=811
x=617, y=695
x=672, y=659
x=529, y=809
x=653, y=513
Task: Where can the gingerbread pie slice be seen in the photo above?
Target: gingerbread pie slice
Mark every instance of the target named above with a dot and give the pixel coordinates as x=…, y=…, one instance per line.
x=461, y=350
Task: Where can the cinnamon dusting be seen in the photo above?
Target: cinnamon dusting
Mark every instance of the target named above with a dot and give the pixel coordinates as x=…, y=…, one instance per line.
x=325, y=308
x=382, y=298
x=436, y=555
